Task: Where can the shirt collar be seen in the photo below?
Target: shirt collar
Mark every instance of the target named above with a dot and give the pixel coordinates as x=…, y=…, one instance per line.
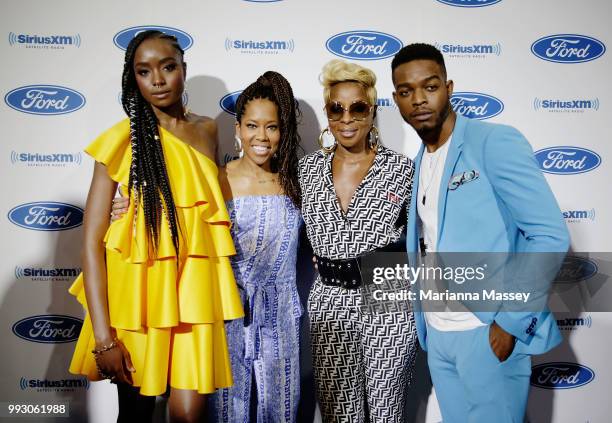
x=379, y=160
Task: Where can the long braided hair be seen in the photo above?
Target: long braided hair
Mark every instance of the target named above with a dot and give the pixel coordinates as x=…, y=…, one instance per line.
x=148, y=179
x=274, y=87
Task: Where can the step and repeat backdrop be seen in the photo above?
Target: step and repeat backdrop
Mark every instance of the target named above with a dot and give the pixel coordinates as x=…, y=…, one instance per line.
x=542, y=67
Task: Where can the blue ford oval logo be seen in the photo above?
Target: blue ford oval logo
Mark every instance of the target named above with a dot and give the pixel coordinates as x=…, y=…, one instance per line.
x=228, y=102
x=48, y=329
x=476, y=105
x=363, y=45
x=575, y=269
x=44, y=99
x=46, y=216
x=567, y=160
x=469, y=3
x=561, y=375
x=123, y=38
x=568, y=48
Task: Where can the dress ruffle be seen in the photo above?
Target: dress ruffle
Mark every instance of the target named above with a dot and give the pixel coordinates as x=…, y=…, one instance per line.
x=170, y=317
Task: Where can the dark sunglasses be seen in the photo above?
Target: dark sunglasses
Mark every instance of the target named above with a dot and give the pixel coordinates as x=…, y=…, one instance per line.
x=358, y=110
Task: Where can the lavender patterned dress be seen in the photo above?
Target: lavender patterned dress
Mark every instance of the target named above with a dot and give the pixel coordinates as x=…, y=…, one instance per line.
x=264, y=346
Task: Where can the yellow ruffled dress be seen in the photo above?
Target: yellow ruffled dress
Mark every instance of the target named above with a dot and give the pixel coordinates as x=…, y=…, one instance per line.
x=170, y=318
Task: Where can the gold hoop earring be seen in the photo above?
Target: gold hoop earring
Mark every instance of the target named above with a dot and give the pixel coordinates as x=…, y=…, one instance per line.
x=373, y=138
x=325, y=149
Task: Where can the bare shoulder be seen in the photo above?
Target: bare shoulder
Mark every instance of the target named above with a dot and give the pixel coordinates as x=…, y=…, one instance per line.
x=205, y=129
x=206, y=126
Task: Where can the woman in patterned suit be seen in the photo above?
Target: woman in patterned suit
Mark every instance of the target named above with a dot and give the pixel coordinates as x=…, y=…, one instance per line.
x=354, y=199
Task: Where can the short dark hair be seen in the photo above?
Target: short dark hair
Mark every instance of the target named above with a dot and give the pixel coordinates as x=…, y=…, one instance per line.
x=418, y=51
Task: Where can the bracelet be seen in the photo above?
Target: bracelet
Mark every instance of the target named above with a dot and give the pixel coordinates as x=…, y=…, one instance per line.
x=105, y=348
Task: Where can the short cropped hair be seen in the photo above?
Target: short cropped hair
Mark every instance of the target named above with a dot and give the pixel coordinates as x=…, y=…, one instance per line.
x=336, y=71
x=418, y=51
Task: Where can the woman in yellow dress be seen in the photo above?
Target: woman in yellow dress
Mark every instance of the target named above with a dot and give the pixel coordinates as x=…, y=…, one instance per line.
x=157, y=285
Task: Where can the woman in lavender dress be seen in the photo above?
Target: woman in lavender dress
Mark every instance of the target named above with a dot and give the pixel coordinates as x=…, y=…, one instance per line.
x=263, y=199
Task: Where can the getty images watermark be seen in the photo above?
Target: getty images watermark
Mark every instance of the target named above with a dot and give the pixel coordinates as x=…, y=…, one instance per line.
x=433, y=284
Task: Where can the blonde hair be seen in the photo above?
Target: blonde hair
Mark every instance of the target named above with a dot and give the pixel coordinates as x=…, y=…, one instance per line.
x=336, y=71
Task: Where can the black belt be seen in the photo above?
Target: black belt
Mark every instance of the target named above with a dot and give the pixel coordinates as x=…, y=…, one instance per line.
x=346, y=273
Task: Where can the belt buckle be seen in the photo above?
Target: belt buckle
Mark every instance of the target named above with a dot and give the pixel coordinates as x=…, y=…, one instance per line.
x=352, y=278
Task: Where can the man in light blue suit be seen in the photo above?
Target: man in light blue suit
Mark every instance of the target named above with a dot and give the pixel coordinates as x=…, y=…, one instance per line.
x=477, y=189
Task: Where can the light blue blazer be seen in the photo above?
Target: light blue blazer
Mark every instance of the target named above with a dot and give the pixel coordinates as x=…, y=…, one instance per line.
x=508, y=208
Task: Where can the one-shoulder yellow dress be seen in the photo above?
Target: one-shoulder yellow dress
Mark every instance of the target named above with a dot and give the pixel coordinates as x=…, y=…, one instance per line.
x=169, y=317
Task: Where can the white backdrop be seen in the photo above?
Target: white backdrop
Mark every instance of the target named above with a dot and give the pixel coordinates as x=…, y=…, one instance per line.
x=61, y=84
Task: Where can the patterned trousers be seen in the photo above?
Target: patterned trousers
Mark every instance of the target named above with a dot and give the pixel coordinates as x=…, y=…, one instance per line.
x=362, y=357
x=275, y=396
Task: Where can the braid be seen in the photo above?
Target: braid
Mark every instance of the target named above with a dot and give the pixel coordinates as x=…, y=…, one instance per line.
x=274, y=87
x=148, y=180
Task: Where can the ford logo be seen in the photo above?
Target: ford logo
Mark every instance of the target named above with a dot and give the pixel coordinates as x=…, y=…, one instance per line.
x=44, y=100
x=123, y=38
x=48, y=329
x=567, y=160
x=560, y=375
x=476, y=105
x=228, y=102
x=363, y=45
x=46, y=216
x=568, y=48
x=576, y=269
x=469, y=3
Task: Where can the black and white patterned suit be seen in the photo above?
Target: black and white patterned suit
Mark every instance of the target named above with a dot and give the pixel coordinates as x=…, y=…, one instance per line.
x=358, y=355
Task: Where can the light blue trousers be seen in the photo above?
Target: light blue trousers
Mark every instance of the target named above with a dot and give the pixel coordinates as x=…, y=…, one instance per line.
x=471, y=384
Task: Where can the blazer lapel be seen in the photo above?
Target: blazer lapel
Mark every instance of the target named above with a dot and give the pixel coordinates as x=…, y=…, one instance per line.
x=454, y=151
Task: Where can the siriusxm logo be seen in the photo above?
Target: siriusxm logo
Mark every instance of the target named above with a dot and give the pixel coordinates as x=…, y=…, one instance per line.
x=54, y=385
x=44, y=274
x=476, y=105
x=469, y=3
x=576, y=269
x=46, y=216
x=560, y=375
x=363, y=45
x=566, y=106
x=575, y=323
x=385, y=103
x=228, y=102
x=46, y=160
x=57, y=42
x=473, y=51
x=48, y=329
x=567, y=160
x=576, y=216
x=568, y=48
x=44, y=100
x=260, y=46
x=123, y=38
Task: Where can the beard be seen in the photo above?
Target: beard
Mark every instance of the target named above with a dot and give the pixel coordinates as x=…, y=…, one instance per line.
x=431, y=133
